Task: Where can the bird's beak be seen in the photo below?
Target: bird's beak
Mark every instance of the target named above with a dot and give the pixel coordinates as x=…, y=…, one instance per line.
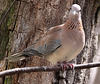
x=74, y=12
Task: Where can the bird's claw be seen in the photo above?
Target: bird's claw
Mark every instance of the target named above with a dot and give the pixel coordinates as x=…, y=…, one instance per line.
x=66, y=66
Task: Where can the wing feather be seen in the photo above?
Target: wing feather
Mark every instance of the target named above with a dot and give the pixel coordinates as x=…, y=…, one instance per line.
x=48, y=43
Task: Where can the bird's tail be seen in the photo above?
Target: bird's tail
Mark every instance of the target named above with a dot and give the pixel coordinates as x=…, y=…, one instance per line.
x=15, y=57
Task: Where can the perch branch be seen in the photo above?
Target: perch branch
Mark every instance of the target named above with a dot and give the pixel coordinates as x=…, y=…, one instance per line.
x=46, y=69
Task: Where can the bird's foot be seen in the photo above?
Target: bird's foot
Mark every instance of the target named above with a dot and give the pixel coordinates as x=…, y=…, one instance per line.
x=65, y=65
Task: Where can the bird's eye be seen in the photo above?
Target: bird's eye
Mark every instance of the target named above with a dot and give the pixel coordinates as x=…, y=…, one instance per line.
x=80, y=10
x=69, y=9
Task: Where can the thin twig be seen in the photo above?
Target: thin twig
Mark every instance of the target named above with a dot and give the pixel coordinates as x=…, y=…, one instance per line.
x=46, y=69
x=7, y=12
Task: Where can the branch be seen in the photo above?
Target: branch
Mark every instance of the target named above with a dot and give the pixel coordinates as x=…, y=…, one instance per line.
x=46, y=69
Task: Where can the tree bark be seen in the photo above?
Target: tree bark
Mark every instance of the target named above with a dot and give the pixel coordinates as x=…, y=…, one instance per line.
x=34, y=18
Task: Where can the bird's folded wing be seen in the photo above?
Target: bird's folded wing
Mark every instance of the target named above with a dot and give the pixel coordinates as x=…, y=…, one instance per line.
x=47, y=49
x=48, y=43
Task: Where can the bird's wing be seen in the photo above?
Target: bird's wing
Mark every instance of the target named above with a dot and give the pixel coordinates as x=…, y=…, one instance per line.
x=48, y=43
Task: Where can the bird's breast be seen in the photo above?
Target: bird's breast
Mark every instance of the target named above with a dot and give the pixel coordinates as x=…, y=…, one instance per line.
x=72, y=43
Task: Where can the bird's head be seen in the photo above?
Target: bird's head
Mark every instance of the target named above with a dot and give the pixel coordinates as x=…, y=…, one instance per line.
x=75, y=12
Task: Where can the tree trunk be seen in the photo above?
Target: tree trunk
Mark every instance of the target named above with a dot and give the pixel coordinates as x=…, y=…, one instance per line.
x=34, y=18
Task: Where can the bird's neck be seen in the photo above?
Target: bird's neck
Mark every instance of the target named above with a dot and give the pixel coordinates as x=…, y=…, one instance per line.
x=70, y=25
x=74, y=19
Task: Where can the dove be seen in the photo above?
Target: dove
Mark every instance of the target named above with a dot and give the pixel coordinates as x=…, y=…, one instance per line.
x=60, y=43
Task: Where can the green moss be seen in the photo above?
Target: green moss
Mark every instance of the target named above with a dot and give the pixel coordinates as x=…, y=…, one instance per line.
x=8, y=80
x=6, y=25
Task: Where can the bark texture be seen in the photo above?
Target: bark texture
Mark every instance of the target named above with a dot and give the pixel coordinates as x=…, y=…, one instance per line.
x=5, y=26
x=34, y=18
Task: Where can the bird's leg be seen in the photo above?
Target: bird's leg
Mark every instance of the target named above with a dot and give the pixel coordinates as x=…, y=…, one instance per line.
x=65, y=65
x=71, y=66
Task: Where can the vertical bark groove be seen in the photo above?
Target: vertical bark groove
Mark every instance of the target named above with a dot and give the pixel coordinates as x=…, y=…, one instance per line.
x=34, y=18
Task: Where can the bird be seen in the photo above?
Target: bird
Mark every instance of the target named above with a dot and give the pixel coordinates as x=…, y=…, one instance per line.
x=60, y=43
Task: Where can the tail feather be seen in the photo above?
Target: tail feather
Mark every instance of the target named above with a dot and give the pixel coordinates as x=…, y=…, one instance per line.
x=15, y=57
